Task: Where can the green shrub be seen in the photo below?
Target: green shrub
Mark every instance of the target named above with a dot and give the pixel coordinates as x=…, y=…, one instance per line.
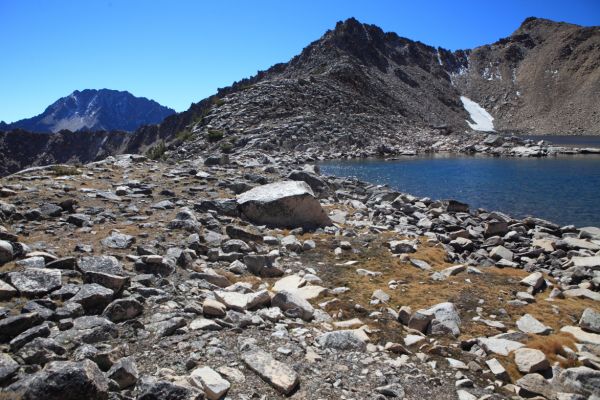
x=218, y=102
x=157, y=152
x=61, y=170
x=214, y=135
x=226, y=147
x=245, y=86
x=184, y=136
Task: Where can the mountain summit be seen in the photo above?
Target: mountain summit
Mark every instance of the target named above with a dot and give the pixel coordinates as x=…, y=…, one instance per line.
x=95, y=110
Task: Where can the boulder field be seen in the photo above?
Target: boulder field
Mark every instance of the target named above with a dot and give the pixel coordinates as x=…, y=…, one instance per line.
x=256, y=277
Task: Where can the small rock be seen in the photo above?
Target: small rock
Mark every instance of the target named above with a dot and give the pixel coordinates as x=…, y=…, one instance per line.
x=497, y=369
x=213, y=308
x=8, y=367
x=124, y=372
x=528, y=324
x=355, y=339
x=275, y=373
x=535, y=280
x=530, y=360
x=420, y=264
x=290, y=302
x=590, y=320
x=118, y=240
x=6, y=252
x=214, y=386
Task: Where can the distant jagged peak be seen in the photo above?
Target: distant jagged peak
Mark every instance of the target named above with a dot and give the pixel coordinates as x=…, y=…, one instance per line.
x=96, y=109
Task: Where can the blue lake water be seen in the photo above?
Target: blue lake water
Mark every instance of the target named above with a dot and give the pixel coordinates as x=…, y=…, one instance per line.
x=565, y=190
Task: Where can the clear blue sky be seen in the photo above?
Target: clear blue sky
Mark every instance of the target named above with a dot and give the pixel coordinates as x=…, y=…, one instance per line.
x=179, y=51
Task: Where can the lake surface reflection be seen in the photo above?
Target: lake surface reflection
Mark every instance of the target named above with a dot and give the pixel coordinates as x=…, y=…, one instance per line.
x=565, y=190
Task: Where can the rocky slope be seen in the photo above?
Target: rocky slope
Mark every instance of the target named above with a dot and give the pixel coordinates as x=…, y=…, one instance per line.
x=135, y=279
x=543, y=79
x=95, y=110
x=21, y=149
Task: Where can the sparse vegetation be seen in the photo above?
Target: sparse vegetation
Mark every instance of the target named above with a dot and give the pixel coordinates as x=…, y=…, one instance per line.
x=226, y=147
x=185, y=135
x=214, y=135
x=157, y=152
x=245, y=86
x=61, y=170
x=554, y=347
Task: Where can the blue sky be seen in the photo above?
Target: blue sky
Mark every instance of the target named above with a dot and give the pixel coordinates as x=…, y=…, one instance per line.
x=178, y=51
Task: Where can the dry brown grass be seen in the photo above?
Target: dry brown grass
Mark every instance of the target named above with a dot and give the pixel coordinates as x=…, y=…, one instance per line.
x=511, y=368
x=490, y=291
x=553, y=346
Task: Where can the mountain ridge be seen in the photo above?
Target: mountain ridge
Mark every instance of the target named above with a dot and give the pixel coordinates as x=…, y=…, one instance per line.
x=95, y=110
x=359, y=91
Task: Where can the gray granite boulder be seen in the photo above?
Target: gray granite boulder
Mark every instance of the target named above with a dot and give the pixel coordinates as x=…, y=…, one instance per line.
x=285, y=204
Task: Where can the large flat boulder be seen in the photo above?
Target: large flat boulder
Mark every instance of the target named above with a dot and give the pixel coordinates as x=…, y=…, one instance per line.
x=528, y=324
x=34, y=282
x=285, y=204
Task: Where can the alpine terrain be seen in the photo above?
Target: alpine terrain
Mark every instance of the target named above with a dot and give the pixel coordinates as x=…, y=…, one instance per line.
x=207, y=257
x=359, y=91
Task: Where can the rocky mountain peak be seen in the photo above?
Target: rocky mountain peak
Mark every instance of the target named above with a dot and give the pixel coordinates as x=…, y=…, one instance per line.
x=92, y=109
x=362, y=91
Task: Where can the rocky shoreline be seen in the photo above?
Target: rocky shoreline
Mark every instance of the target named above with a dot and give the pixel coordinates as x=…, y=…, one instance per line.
x=494, y=145
x=252, y=276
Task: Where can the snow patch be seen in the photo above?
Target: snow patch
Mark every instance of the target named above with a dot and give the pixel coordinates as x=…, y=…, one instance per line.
x=481, y=118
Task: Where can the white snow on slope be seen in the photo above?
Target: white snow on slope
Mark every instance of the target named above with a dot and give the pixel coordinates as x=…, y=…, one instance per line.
x=481, y=118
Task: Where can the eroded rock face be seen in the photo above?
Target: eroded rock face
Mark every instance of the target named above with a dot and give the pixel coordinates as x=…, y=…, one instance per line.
x=285, y=204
